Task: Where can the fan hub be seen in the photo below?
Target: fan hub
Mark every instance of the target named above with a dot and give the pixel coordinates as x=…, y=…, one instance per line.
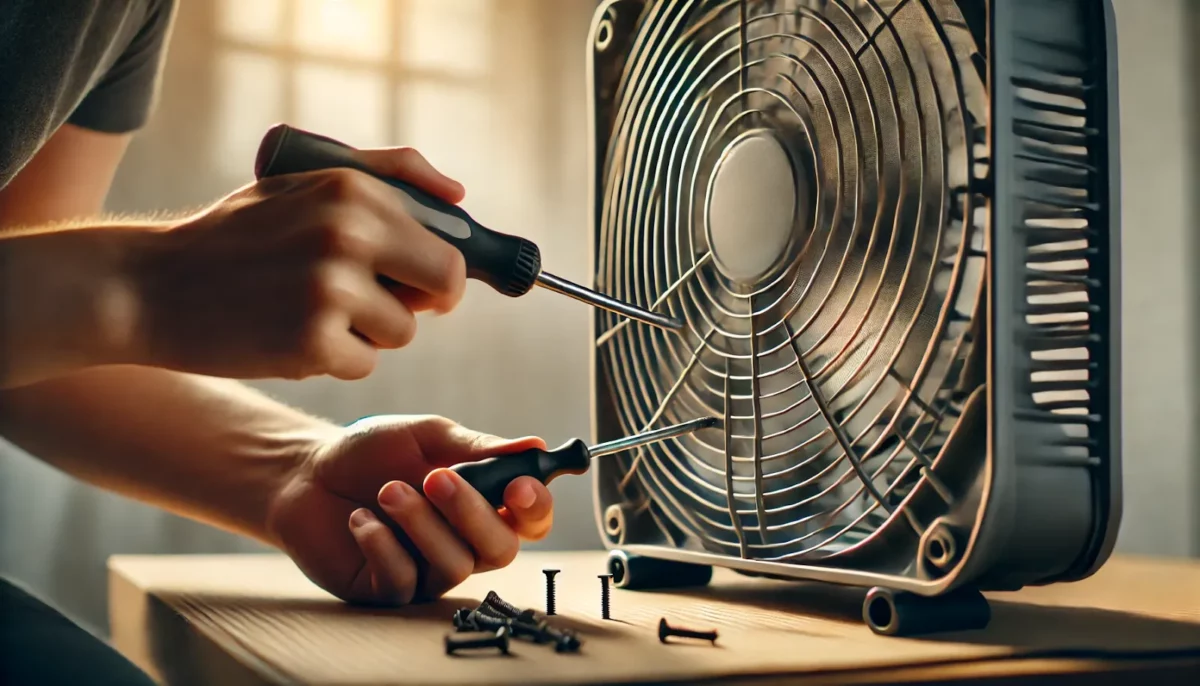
x=751, y=207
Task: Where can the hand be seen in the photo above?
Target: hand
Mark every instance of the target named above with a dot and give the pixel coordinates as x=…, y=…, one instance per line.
x=355, y=521
x=281, y=278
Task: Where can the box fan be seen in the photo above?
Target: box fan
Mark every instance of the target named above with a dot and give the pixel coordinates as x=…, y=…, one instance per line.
x=891, y=227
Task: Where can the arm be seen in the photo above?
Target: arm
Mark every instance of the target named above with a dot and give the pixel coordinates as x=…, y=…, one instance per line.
x=204, y=448
x=340, y=502
x=209, y=449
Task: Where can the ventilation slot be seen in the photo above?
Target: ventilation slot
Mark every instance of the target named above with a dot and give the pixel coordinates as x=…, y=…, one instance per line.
x=1064, y=275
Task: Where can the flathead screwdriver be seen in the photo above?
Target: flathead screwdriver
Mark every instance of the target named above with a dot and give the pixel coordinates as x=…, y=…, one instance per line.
x=509, y=264
x=491, y=476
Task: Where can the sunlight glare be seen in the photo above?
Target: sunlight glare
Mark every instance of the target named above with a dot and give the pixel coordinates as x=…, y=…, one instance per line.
x=255, y=21
x=250, y=88
x=347, y=104
x=343, y=28
x=454, y=36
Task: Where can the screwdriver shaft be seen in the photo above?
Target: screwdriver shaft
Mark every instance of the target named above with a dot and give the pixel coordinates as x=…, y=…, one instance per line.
x=587, y=295
x=654, y=436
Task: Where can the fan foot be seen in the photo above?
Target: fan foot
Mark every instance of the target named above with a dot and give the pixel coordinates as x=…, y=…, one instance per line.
x=901, y=613
x=640, y=572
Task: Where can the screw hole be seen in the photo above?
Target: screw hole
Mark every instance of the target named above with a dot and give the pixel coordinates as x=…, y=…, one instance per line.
x=880, y=612
x=604, y=34
x=614, y=521
x=941, y=549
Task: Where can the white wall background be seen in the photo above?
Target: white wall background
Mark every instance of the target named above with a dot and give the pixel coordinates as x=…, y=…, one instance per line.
x=514, y=131
x=1160, y=124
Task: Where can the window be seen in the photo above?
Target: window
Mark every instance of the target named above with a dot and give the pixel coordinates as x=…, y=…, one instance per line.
x=369, y=72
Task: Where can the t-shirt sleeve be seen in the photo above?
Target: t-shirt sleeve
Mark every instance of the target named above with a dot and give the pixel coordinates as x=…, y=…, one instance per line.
x=124, y=98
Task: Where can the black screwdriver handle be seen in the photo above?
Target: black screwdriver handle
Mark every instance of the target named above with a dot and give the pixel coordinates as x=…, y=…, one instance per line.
x=509, y=264
x=491, y=476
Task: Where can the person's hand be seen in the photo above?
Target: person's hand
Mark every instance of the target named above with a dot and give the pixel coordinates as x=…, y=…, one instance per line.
x=372, y=516
x=282, y=279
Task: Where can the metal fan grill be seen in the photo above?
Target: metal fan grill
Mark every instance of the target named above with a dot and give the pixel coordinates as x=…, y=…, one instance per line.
x=812, y=185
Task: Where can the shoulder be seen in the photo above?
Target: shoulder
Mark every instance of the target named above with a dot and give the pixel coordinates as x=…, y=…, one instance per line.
x=124, y=92
x=153, y=23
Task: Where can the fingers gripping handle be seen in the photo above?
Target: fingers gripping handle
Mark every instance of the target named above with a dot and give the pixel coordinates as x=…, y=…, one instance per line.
x=491, y=476
x=509, y=264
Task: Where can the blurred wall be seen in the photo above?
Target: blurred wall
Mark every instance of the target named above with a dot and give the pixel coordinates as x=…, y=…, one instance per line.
x=496, y=99
x=1192, y=114
x=1159, y=76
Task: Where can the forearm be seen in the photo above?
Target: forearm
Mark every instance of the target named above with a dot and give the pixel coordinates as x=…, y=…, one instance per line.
x=68, y=299
x=204, y=448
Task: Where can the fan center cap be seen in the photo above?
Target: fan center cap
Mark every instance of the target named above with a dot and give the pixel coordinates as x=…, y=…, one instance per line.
x=751, y=207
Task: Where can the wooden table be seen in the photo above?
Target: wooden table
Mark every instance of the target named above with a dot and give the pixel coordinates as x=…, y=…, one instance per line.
x=255, y=619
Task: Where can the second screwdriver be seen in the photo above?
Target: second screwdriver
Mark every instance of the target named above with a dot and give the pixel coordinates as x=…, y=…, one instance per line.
x=492, y=476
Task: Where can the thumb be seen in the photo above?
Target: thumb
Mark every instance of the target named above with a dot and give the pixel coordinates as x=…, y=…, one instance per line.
x=445, y=443
x=406, y=164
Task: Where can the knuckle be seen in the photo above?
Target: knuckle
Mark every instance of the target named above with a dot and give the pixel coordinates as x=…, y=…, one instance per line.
x=368, y=535
x=406, y=331
x=342, y=235
x=328, y=290
x=315, y=354
x=354, y=371
x=406, y=157
x=354, y=365
x=454, y=271
x=295, y=361
x=342, y=185
x=458, y=572
x=399, y=329
x=406, y=582
x=504, y=553
x=437, y=421
x=317, y=346
x=297, y=371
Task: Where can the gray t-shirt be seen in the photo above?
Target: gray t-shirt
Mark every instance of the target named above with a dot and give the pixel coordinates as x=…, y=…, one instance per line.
x=93, y=63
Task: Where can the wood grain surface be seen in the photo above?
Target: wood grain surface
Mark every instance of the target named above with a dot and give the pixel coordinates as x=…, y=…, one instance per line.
x=255, y=619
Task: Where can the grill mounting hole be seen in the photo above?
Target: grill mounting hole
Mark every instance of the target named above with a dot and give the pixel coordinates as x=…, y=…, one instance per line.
x=604, y=34
x=940, y=547
x=751, y=207
x=880, y=612
x=614, y=521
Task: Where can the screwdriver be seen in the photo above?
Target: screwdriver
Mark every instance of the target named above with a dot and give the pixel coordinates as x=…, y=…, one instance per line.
x=491, y=476
x=509, y=264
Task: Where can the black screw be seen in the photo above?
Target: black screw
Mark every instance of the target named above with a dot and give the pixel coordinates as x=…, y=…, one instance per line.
x=464, y=619
x=497, y=640
x=666, y=630
x=550, y=589
x=527, y=626
x=565, y=642
x=488, y=610
x=498, y=606
x=524, y=626
x=474, y=620
x=604, y=606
